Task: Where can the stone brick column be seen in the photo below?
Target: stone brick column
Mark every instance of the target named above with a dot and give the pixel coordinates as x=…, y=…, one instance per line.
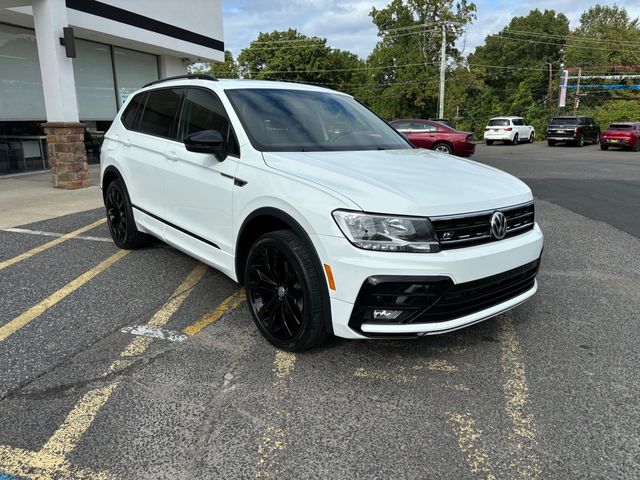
x=67, y=154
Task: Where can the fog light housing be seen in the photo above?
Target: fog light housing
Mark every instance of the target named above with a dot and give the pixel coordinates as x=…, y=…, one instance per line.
x=384, y=314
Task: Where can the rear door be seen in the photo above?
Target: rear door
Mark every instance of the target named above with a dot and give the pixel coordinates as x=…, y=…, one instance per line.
x=423, y=135
x=199, y=186
x=144, y=157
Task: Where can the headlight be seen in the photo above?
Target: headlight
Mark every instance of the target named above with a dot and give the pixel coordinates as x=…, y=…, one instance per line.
x=387, y=233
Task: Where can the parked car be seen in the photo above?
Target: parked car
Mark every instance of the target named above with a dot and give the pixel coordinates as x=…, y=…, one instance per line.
x=625, y=135
x=436, y=136
x=276, y=184
x=508, y=130
x=577, y=130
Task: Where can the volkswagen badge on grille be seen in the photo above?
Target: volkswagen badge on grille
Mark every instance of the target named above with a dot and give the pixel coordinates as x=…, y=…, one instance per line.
x=498, y=225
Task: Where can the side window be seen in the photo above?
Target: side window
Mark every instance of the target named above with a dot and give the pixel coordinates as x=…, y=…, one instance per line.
x=203, y=110
x=518, y=122
x=160, y=112
x=422, y=127
x=402, y=126
x=131, y=116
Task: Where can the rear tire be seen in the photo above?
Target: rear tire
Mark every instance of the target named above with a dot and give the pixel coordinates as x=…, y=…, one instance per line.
x=551, y=143
x=443, y=148
x=579, y=142
x=516, y=139
x=636, y=147
x=122, y=226
x=284, y=292
x=597, y=139
x=604, y=147
x=489, y=142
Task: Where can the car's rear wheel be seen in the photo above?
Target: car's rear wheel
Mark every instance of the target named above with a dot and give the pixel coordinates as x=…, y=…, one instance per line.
x=284, y=292
x=443, y=148
x=604, y=147
x=489, y=142
x=120, y=220
x=532, y=137
x=551, y=143
x=596, y=139
x=579, y=141
x=516, y=139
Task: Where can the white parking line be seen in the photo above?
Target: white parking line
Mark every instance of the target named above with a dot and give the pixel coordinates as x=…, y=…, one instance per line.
x=55, y=234
x=153, y=332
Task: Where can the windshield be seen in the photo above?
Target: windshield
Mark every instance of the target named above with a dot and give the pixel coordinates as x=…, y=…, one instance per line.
x=499, y=123
x=278, y=120
x=619, y=126
x=564, y=121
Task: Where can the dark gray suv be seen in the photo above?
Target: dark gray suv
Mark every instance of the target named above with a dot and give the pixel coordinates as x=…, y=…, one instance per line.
x=576, y=130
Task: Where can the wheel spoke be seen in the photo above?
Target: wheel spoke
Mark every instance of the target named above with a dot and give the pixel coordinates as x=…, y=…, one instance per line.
x=289, y=305
x=283, y=319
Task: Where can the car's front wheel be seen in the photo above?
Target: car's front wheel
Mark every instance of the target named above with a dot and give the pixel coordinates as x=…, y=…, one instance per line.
x=284, y=292
x=532, y=137
x=122, y=226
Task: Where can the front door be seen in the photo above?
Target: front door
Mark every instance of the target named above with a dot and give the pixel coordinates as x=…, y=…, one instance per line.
x=199, y=187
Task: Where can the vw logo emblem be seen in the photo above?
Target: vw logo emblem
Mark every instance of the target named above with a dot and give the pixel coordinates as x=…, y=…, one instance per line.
x=498, y=225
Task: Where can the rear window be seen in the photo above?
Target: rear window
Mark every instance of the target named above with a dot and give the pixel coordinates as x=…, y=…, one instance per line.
x=619, y=126
x=497, y=122
x=563, y=121
x=160, y=112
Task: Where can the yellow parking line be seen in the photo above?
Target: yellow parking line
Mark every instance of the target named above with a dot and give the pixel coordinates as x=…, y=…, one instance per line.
x=20, y=321
x=468, y=437
x=51, y=460
x=516, y=394
x=48, y=245
x=230, y=303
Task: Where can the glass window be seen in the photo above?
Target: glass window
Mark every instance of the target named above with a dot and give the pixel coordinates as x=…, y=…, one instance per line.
x=401, y=126
x=21, y=96
x=302, y=120
x=160, y=112
x=203, y=110
x=131, y=116
x=93, y=74
x=499, y=122
x=422, y=127
x=133, y=70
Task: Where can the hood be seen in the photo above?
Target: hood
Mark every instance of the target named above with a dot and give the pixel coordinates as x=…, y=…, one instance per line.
x=405, y=182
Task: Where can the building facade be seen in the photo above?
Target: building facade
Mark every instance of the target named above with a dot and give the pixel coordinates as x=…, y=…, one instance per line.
x=49, y=98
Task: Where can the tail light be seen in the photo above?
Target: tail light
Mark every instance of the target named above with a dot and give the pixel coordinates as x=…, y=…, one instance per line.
x=487, y=129
x=508, y=129
x=577, y=129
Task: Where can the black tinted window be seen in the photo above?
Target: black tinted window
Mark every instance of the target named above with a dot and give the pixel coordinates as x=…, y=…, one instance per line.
x=160, y=111
x=564, y=121
x=131, y=115
x=203, y=110
x=499, y=123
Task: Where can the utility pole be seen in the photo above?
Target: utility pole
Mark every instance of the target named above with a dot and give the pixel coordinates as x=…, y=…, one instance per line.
x=550, y=90
x=576, y=102
x=443, y=64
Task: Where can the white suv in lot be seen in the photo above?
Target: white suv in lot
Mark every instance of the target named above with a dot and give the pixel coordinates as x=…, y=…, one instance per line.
x=333, y=223
x=509, y=130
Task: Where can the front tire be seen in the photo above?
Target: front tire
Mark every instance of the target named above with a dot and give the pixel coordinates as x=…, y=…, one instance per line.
x=516, y=139
x=122, y=226
x=532, y=137
x=284, y=292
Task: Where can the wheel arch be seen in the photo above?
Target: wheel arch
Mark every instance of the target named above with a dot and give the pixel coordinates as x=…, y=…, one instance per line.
x=110, y=174
x=269, y=219
x=443, y=142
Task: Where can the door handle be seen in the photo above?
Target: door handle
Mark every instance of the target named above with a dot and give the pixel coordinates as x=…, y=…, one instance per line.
x=172, y=155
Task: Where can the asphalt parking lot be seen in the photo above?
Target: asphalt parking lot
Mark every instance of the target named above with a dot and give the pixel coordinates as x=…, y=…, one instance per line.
x=548, y=390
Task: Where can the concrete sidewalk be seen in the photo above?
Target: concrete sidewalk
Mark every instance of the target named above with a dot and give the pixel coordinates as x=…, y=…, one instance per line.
x=28, y=198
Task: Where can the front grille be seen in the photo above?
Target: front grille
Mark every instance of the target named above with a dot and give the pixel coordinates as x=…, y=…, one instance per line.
x=437, y=299
x=475, y=228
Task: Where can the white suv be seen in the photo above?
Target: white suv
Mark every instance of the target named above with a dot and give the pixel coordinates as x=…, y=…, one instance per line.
x=509, y=130
x=333, y=223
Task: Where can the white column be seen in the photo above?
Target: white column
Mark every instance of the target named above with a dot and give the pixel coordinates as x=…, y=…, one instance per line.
x=58, y=83
x=171, y=66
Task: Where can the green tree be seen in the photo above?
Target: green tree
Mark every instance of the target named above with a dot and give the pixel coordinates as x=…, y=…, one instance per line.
x=403, y=67
x=294, y=57
x=228, y=69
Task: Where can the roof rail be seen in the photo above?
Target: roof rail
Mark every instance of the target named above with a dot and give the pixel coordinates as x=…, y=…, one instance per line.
x=191, y=76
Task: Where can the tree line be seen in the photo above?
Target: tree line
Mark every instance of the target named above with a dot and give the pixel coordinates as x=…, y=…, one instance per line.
x=516, y=71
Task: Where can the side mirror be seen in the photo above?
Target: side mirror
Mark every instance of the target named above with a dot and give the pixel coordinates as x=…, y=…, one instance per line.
x=206, y=141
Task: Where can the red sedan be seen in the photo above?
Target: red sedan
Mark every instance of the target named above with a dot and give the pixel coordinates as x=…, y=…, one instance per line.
x=621, y=134
x=436, y=136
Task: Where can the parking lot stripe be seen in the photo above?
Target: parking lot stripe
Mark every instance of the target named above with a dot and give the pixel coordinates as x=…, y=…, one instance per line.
x=230, y=303
x=516, y=394
x=468, y=437
x=56, y=235
x=273, y=442
x=20, y=321
x=52, y=243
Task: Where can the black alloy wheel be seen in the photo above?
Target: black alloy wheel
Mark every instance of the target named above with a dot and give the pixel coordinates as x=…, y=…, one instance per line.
x=532, y=137
x=283, y=292
x=120, y=217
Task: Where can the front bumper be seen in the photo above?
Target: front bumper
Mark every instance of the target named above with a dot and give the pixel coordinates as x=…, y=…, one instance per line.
x=352, y=267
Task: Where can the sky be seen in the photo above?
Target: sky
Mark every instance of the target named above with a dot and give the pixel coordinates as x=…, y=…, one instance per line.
x=346, y=23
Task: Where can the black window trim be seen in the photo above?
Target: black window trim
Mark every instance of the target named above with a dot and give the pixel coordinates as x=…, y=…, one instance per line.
x=208, y=90
x=173, y=129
